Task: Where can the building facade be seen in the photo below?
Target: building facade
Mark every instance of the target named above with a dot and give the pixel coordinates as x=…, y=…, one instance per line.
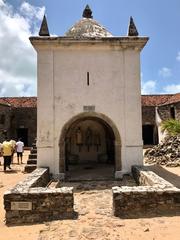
x=89, y=100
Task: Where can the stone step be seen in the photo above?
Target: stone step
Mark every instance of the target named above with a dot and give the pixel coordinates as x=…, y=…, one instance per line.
x=32, y=156
x=29, y=168
x=33, y=151
x=32, y=161
x=34, y=145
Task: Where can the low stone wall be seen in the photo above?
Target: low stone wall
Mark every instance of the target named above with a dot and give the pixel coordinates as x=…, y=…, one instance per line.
x=31, y=201
x=144, y=177
x=38, y=178
x=159, y=197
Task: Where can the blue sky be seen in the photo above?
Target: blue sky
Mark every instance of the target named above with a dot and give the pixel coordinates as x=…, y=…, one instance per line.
x=157, y=19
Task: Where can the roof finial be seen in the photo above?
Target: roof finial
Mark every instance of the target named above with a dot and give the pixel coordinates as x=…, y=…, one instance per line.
x=44, y=31
x=87, y=13
x=132, y=30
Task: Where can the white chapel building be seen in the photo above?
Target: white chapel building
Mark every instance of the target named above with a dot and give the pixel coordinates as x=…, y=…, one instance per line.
x=89, y=97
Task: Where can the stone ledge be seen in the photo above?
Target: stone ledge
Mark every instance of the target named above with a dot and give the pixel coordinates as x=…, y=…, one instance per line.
x=143, y=176
x=38, y=178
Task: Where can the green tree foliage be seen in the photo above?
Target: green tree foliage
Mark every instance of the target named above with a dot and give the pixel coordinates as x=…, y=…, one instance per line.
x=172, y=126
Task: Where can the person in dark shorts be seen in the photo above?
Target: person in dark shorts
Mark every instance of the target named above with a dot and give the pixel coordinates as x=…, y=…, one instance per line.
x=19, y=150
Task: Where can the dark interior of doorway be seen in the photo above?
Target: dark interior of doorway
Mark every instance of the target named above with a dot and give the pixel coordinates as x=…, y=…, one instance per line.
x=148, y=134
x=23, y=134
x=92, y=170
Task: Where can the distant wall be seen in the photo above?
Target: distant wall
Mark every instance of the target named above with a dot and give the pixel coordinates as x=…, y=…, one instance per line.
x=177, y=110
x=165, y=113
x=24, y=118
x=148, y=115
x=5, y=112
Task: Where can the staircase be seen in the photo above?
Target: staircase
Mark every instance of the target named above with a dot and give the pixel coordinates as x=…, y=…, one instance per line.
x=32, y=160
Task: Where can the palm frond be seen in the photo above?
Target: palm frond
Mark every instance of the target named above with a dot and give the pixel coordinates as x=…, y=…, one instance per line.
x=172, y=126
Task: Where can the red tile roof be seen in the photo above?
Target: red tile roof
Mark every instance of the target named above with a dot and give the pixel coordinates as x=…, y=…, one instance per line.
x=155, y=100
x=174, y=99
x=18, y=102
x=147, y=100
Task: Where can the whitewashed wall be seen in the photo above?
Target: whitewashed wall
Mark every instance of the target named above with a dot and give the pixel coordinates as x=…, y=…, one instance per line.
x=114, y=90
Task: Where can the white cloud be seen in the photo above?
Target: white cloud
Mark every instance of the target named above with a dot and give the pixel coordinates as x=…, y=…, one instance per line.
x=16, y=86
x=148, y=87
x=2, y=3
x=178, y=56
x=173, y=88
x=17, y=56
x=165, y=72
x=30, y=11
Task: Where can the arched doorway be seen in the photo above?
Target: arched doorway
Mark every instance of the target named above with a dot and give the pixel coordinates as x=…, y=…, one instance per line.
x=89, y=139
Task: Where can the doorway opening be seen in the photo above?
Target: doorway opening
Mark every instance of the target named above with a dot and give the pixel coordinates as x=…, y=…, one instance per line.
x=148, y=134
x=89, y=149
x=23, y=134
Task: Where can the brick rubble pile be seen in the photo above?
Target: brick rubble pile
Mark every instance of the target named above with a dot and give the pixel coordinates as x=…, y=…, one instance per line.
x=166, y=153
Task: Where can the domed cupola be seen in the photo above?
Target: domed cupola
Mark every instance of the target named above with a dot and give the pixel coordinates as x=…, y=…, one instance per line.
x=87, y=27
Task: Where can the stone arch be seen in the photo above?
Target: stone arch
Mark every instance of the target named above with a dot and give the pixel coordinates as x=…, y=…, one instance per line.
x=93, y=115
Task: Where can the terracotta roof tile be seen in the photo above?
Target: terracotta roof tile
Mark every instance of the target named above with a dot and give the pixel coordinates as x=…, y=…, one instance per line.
x=155, y=100
x=147, y=100
x=19, y=101
x=174, y=99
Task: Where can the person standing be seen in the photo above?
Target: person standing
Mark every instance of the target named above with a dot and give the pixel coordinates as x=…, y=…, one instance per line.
x=19, y=150
x=7, y=153
x=13, y=142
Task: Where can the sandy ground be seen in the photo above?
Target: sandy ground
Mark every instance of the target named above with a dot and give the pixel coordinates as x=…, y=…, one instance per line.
x=95, y=220
x=8, y=180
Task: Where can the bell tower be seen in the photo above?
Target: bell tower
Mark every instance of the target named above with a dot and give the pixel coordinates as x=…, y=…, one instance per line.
x=89, y=96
